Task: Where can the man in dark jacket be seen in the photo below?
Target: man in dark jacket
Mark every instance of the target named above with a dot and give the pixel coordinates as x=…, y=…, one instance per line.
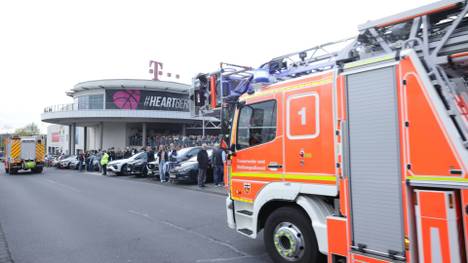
x=127, y=153
x=218, y=158
x=163, y=158
x=150, y=154
x=202, y=158
x=81, y=160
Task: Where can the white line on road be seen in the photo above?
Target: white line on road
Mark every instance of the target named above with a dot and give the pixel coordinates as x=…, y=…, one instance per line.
x=181, y=228
x=213, y=240
x=63, y=185
x=141, y=214
x=227, y=259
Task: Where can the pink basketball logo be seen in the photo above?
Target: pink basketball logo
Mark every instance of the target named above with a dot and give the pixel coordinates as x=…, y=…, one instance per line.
x=126, y=99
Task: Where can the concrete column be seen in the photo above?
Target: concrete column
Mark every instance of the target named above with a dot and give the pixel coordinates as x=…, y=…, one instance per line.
x=69, y=139
x=184, y=129
x=143, y=126
x=85, y=139
x=73, y=135
x=101, y=136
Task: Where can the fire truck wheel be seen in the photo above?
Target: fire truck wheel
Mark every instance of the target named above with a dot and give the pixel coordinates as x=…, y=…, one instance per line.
x=289, y=237
x=13, y=171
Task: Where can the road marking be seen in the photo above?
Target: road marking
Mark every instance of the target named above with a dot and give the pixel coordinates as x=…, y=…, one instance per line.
x=210, y=239
x=63, y=185
x=227, y=259
x=181, y=228
x=133, y=212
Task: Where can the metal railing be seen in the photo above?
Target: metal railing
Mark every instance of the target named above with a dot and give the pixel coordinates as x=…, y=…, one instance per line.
x=93, y=106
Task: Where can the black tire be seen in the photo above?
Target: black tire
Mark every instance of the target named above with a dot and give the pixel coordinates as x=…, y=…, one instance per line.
x=123, y=170
x=37, y=170
x=13, y=171
x=308, y=253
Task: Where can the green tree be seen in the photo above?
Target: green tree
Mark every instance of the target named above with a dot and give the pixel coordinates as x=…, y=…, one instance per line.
x=28, y=130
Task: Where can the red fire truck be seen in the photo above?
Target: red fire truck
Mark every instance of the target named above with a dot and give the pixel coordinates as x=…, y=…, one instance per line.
x=358, y=154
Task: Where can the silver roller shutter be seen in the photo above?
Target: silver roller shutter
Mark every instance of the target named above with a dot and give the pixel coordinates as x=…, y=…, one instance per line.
x=374, y=161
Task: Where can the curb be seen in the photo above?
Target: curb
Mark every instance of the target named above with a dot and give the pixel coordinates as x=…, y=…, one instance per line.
x=5, y=255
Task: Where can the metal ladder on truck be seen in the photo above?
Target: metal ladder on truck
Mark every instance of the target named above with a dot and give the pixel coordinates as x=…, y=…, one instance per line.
x=437, y=32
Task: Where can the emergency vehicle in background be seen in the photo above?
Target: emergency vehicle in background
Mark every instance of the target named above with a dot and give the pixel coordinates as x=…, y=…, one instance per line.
x=358, y=154
x=24, y=153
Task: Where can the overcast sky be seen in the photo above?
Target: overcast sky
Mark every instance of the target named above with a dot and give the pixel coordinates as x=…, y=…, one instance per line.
x=46, y=47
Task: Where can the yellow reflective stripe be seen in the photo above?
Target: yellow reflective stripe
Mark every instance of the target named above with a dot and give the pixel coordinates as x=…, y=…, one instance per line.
x=15, y=149
x=241, y=199
x=369, y=61
x=40, y=151
x=273, y=90
x=311, y=177
x=436, y=178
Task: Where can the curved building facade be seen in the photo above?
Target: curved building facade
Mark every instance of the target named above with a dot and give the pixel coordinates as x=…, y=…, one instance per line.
x=122, y=112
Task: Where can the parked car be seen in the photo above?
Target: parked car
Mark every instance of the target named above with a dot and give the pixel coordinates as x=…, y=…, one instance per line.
x=56, y=161
x=187, y=171
x=93, y=160
x=182, y=155
x=48, y=159
x=137, y=166
x=153, y=167
x=74, y=164
x=119, y=167
x=65, y=163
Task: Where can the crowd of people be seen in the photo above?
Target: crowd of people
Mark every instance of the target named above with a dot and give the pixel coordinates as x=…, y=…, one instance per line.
x=177, y=140
x=166, y=152
x=167, y=149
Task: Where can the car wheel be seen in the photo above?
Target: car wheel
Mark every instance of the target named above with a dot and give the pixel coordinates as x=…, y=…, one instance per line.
x=123, y=170
x=289, y=237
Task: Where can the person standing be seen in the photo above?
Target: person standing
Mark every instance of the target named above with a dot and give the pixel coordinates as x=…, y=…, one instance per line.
x=81, y=160
x=127, y=153
x=172, y=158
x=163, y=157
x=150, y=154
x=104, y=162
x=219, y=157
x=111, y=154
x=202, y=158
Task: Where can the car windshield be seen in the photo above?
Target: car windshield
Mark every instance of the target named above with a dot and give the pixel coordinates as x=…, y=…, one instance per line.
x=194, y=158
x=184, y=151
x=137, y=156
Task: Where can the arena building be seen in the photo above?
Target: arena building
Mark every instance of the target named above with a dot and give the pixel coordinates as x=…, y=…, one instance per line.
x=122, y=112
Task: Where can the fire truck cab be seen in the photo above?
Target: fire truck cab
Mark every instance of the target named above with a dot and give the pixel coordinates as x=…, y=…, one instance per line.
x=359, y=155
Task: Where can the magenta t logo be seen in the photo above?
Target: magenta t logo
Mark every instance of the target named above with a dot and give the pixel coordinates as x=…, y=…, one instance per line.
x=127, y=99
x=155, y=68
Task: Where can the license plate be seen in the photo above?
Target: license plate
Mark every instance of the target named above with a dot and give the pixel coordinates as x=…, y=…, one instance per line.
x=172, y=176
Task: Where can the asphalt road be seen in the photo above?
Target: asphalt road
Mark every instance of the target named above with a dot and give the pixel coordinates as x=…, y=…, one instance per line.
x=66, y=216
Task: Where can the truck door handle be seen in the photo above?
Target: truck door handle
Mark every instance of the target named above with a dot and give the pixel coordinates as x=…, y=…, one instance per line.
x=275, y=166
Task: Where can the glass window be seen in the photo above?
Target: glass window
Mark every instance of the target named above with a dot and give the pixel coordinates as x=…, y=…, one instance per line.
x=256, y=124
x=91, y=102
x=96, y=102
x=82, y=102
